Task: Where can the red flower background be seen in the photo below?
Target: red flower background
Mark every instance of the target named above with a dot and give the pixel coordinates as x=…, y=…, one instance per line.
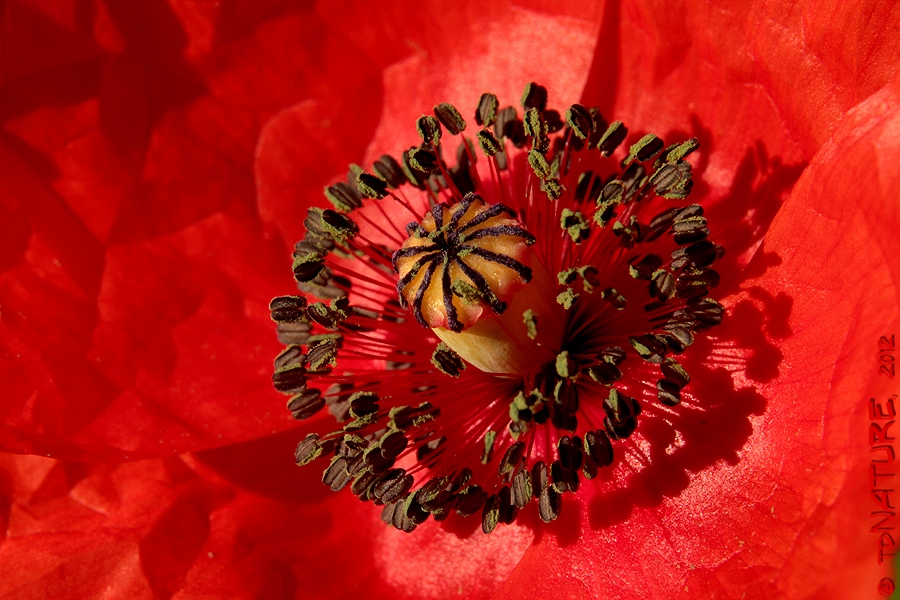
x=156, y=159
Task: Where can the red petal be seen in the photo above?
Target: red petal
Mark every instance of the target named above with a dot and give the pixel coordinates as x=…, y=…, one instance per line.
x=136, y=268
x=762, y=524
x=761, y=84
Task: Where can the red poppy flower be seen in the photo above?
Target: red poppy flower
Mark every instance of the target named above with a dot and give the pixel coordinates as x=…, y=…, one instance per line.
x=157, y=161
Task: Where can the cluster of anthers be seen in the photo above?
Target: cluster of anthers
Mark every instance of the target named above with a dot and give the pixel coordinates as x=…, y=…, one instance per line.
x=498, y=347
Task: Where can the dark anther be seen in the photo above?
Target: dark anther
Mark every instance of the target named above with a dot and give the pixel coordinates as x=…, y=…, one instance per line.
x=337, y=225
x=673, y=371
x=668, y=392
x=415, y=512
x=429, y=129
x=450, y=118
x=565, y=365
x=563, y=480
x=360, y=485
x=356, y=465
x=580, y=120
x=375, y=461
x=350, y=446
x=323, y=354
x=399, y=519
x=307, y=271
x=540, y=478
x=534, y=96
x=507, y=508
x=325, y=315
x=536, y=128
x=605, y=372
x=308, y=450
x=435, y=494
x=689, y=230
x=608, y=201
x=613, y=354
x=306, y=404
x=570, y=454
x=574, y=223
x=413, y=175
x=470, y=500
x=521, y=488
x=404, y=417
x=673, y=181
x=392, y=485
x=393, y=443
x=288, y=309
x=694, y=283
x=554, y=121
x=675, y=153
x=644, y=149
x=336, y=476
x=423, y=160
x=539, y=164
x=677, y=337
x=615, y=135
x=612, y=296
x=646, y=267
x=447, y=361
x=700, y=255
x=289, y=357
x=291, y=377
x=650, y=347
x=707, y=311
x=489, y=144
x=487, y=110
x=662, y=285
x=363, y=403
x=552, y=188
x=488, y=453
x=315, y=229
x=371, y=186
x=389, y=170
x=343, y=197
x=490, y=516
x=549, y=505
x=308, y=260
x=511, y=458
x=598, y=447
x=621, y=414
x=694, y=210
x=611, y=194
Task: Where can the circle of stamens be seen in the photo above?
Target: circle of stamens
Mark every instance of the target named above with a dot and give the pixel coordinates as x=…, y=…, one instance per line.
x=620, y=269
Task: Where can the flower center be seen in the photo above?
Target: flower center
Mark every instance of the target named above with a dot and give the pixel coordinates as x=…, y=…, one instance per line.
x=496, y=349
x=458, y=272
